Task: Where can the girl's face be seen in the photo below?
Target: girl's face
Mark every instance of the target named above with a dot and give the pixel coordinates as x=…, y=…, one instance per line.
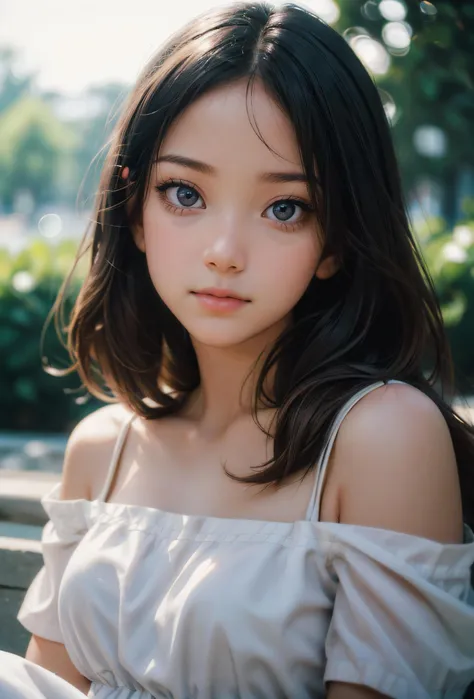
x=225, y=212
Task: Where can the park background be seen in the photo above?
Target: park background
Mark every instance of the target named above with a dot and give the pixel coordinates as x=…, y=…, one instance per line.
x=65, y=70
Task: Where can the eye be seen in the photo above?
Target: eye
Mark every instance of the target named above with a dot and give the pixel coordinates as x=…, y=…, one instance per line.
x=180, y=195
x=287, y=210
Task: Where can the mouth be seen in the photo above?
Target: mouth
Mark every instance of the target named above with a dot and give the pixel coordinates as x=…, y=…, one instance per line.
x=221, y=294
x=219, y=300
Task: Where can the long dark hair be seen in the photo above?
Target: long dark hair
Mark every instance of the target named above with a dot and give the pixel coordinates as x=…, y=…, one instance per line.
x=376, y=319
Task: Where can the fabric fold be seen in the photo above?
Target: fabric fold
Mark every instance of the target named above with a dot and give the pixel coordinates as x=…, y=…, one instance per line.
x=403, y=615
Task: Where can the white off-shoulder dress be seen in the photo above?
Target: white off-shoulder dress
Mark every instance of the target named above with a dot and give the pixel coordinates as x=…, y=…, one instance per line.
x=152, y=603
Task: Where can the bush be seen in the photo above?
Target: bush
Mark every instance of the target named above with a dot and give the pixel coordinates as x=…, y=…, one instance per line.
x=450, y=259
x=31, y=399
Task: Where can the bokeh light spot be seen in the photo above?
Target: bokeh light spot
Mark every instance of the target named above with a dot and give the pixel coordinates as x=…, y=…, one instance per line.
x=393, y=10
x=23, y=282
x=50, y=225
x=428, y=8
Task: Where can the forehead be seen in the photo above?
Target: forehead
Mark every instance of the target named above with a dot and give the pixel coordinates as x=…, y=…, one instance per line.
x=223, y=126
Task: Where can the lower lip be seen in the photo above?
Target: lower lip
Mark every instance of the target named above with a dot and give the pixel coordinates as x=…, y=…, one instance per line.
x=218, y=303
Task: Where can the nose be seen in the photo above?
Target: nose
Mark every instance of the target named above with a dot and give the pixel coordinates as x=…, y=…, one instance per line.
x=225, y=252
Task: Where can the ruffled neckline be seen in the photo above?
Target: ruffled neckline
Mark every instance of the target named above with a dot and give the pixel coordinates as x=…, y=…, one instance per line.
x=84, y=512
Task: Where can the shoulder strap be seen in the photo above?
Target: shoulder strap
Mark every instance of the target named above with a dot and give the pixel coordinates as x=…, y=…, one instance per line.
x=116, y=456
x=313, y=511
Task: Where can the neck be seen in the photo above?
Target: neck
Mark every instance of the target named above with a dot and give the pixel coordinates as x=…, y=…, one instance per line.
x=228, y=380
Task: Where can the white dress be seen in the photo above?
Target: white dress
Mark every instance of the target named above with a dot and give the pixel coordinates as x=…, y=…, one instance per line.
x=154, y=604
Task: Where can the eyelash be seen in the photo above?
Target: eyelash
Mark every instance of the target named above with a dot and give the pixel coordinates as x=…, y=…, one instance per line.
x=167, y=184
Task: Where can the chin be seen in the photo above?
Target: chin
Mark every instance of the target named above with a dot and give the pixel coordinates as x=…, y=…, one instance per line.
x=223, y=335
x=220, y=339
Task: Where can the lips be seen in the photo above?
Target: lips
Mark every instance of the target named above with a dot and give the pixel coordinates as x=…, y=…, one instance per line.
x=220, y=293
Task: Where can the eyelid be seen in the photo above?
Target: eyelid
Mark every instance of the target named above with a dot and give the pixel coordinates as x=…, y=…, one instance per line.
x=294, y=198
x=176, y=182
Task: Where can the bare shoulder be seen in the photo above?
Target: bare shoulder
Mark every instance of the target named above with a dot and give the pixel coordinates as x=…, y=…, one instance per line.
x=89, y=450
x=392, y=408
x=396, y=465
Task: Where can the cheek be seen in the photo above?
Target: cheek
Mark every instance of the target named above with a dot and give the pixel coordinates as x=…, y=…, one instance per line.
x=165, y=254
x=290, y=271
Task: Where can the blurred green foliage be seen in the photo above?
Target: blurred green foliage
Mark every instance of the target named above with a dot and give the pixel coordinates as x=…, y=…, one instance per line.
x=34, y=147
x=430, y=84
x=450, y=259
x=14, y=85
x=31, y=399
x=53, y=157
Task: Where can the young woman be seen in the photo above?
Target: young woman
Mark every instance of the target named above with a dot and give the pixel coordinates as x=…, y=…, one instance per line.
x=280, y=502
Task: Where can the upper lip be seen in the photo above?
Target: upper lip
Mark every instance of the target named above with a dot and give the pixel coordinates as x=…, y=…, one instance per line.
x=220, y=293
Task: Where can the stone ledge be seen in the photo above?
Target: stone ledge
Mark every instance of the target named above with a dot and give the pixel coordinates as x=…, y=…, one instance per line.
x=19, y=530
x=20, y=560
x=13, y=637
x=25, y=451
x=21, y=493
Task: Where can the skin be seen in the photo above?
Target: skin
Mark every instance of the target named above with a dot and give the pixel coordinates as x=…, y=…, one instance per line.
x=393, y=464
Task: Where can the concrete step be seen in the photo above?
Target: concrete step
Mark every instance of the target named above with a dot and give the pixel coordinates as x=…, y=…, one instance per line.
x=21, y=493
x=20, y=560
x=21, y=451
x=20, y=531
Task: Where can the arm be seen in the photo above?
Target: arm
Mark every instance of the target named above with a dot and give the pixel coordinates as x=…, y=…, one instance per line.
x=54, y=657
x=87, y=454
x=396, y=469
x=341, y=690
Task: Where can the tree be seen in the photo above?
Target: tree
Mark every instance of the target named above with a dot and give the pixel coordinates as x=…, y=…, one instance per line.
x=13, y=85
x=93, y=133
x=432, y=84
x=33, y=145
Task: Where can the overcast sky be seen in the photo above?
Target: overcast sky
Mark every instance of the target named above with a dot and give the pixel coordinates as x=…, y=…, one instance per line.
x=74, y=44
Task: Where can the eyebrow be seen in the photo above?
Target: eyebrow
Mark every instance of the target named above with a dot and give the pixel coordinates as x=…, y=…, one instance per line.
x=199, y=166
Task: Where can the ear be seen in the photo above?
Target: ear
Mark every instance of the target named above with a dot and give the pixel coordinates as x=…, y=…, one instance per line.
x=139, y=236
x=136, y=228
x=327, y=267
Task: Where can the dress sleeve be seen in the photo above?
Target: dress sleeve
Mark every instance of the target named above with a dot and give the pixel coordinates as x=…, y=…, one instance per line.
x=65, y=528
x=403, y=616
